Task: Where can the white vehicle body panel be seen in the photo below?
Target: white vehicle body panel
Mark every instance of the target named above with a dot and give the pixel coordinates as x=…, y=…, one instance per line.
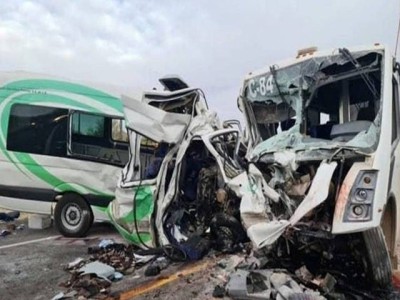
x=30, y=182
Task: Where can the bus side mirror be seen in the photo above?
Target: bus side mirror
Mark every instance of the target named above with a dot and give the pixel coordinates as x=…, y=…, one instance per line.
x=396, y=66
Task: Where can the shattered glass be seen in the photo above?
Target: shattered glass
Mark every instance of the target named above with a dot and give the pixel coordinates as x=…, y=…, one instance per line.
x=280, y=98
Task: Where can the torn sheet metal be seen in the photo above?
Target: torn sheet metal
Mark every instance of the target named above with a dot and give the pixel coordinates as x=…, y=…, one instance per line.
x=156, y=124
x=263, y=232
x=147, y=213
x=286, y=159
x=203, y=124
x=319, y=191
x=98, y=268
x=124, y=216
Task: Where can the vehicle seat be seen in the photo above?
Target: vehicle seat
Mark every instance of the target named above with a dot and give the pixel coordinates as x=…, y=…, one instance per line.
x=56, y=143
x=366, y=114
x=346, y=131
x=322, y=131
x=287, y=124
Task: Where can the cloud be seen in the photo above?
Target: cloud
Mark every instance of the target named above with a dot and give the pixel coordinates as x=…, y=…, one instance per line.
x=211, y=44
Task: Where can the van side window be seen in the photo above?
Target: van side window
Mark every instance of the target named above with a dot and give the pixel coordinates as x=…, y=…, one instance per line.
x=395, y=110
x=38, y=130
x=118, y=131
x=88, y=124
x=92, y=139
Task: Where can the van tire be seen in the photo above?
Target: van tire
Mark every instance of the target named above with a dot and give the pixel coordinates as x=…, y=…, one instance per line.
x=379, y=269
x=73, y=216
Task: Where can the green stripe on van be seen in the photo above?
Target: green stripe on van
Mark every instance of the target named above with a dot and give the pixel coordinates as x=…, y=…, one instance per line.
x=56, y=85
x=30, y=86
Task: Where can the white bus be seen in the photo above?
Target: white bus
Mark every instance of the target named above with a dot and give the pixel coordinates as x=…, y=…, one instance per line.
x=324, y=131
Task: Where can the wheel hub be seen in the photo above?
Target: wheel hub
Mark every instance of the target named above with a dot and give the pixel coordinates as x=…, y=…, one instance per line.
x=73, y=215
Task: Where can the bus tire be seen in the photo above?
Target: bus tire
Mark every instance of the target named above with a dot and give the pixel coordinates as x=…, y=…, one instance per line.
x=73, y=216
x=379, y=269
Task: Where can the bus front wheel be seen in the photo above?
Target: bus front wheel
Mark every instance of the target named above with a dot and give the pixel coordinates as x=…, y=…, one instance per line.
x=73, y=216
x=379, y=269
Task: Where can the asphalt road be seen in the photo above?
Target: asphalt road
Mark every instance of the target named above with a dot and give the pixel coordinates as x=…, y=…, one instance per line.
x=32, y=261
x=32, y=267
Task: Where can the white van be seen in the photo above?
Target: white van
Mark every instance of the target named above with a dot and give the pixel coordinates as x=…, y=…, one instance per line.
x=62, y=148
x=324, y=132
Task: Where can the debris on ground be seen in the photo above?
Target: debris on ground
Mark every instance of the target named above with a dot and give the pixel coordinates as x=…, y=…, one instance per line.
x=64, y=296
x=88, y=286
x=219, y=291
x=105, y=243
x=157, y=266
x=118, y=276
x=9, y=227
x=10, y=216
x=90, y=280
x=76, y=264
x=8, y=223
x=4, y=233
x=36, y=221
x=266, y=284
x=20, y=227
x=119, y=256
x=92, y=277
x=252, y=276
x=98, y=268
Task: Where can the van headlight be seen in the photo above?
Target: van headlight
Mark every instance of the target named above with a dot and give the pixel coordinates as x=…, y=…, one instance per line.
x=361, y=197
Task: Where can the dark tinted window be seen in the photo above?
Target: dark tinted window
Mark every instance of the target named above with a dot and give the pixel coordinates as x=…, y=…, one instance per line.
x=88, y=124
x=92, y=139
x=38, y=129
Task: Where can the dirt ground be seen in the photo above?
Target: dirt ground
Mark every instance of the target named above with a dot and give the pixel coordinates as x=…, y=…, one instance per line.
x=32, y=267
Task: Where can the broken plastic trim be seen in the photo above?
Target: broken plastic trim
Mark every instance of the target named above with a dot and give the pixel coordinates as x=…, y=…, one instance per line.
x=263, y=232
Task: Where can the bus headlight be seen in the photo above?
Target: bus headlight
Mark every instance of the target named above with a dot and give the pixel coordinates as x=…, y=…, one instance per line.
x=361, y=197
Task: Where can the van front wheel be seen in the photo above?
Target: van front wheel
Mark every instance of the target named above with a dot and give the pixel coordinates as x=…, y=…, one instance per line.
x=73, y=216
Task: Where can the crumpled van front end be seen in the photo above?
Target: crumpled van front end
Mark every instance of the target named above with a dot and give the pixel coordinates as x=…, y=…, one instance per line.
x=172, y=192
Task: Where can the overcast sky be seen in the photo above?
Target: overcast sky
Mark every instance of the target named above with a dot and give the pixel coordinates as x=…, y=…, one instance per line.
x=211, y=44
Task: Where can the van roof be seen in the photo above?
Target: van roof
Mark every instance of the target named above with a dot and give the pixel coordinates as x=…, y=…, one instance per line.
x=41, y=89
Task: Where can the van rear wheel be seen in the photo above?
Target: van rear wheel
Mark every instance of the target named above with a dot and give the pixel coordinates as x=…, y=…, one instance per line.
x=73, y=216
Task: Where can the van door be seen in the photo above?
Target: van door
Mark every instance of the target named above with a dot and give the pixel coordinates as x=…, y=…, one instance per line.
x=151, y=131
x=97, y=138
